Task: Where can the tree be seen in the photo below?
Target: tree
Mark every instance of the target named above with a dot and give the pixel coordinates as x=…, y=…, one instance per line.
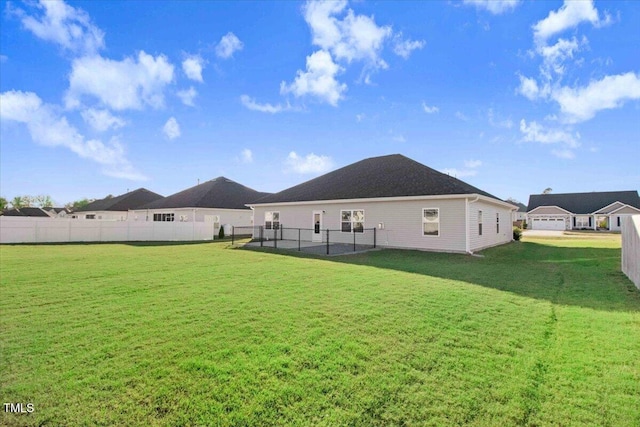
x=42, y=201
x=78, y=204
x=21, y=202
x=547, y=190
x=3, y=203
x=513, y=201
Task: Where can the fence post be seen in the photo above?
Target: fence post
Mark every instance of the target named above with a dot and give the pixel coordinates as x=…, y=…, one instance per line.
x=354, y=240
x=261, y=235
x=327, y=241
x=281, y=231
x=374, y=237
x=298, y=240
x=233, y=234
x=275, y=238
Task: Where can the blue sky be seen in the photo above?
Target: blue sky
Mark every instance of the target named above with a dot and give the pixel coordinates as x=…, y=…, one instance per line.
x=510, y=96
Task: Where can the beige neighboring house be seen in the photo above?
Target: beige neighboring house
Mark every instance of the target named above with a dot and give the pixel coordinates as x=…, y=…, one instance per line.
x=410, y=205
x=582, y=211
x=116, y=208
x=220, y=201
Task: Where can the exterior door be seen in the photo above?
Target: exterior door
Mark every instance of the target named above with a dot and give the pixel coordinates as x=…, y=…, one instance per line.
x=316, y=234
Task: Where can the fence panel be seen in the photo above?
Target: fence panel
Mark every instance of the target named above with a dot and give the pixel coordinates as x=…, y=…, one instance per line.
x=59, y=230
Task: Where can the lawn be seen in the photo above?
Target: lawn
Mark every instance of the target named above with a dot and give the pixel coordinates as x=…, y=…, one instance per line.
x=540, y=332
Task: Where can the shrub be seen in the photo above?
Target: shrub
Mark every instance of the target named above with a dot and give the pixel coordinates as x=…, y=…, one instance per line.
x=517, y=233
x=221, y=232
x=524, y=225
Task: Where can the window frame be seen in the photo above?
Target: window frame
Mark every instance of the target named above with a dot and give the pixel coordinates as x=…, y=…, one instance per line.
x=164, y=217
x=352, y=221
x=479, y=222
x=582, y=221
x=497, y=222
x=271, y=224
x=424, y=221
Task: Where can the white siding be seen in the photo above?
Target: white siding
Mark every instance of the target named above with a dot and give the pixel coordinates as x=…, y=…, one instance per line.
x=489, y=235
x=402, y=221
x=104, y=215
x=548, y=210
x=234, y=217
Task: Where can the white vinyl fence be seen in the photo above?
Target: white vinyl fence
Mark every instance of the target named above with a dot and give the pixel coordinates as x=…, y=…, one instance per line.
x=49, y=230
x=631, y=248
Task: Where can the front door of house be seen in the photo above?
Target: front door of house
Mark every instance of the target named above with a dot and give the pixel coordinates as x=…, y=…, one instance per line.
x=316, y=234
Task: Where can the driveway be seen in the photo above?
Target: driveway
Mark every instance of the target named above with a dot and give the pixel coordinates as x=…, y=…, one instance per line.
x=543, y=233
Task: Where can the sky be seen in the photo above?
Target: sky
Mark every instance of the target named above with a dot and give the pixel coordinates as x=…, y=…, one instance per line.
x=513, y=97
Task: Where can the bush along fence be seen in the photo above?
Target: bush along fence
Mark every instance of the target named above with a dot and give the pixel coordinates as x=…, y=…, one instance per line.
x=319, y=241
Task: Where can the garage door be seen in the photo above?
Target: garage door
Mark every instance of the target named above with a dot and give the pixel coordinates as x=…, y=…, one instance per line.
x=548, y=224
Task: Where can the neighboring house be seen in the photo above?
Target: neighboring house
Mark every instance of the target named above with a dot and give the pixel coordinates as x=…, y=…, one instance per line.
x=28, y=211
x=582, y=211
x=411, y=206
x=221, y=201
x=116, y=208
x=521, y=213
x=58, y=212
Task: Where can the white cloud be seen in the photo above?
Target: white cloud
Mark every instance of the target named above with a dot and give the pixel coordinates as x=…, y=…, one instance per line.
x=247, y=156
x=399, y=138
x=429, y=110
x=187, y=96
x=311, y=163
x=498, y=122
x=570, y=15
x=580, y=104
x=127, y=84
x=533, y=132
x=404, y=48
x=461, y=116
x=229, y=44
x=101, y=120
x=360, y=117
x=564, y=153
x=171, y=128
x=470, y=169
x=555, y=55
x=318, y=80
x=193, y=66
x=47, y=128
x=64, y=25
x=355, y=37
x=496, y=7
x=459, y=173
x=528, y=88
x=251, y=104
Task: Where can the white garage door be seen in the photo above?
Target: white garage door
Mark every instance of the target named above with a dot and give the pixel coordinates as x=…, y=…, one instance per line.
x=548, y=224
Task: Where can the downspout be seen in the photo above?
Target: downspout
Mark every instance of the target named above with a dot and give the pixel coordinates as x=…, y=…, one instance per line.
x=466, y=223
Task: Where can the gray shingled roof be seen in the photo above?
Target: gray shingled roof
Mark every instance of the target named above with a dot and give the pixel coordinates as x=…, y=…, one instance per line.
x=131, y=200
x=221, y=193
x=386, y=176
x=584, y=203
x=28, y=211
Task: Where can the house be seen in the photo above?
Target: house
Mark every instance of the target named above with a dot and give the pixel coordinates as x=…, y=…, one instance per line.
x=220, y=200
x=409, y=204
x=116, y=208
x=58, y=212
x=521, y=213
x=582, y=211
x=29, y=211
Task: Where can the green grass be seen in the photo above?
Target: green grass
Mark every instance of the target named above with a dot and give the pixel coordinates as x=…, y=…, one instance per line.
x=539, y=332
